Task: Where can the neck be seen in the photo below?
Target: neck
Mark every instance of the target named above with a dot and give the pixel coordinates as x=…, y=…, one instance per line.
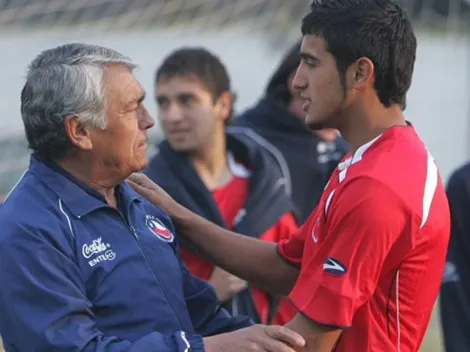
x=327, y=134
x=211, y=163
x=92, y=173
x=363, y=125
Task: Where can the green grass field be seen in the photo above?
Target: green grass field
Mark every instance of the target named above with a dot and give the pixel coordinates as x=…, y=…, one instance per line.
x=432, y=341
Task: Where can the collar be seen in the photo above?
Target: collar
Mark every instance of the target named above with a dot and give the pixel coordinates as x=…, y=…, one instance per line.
x=78, y=197
x=359, y=154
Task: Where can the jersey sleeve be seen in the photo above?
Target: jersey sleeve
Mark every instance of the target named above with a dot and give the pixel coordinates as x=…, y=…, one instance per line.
x=291, y=248
x=363, y=223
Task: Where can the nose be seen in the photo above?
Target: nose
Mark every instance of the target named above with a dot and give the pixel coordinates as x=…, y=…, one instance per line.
x=299, y=82
x=146, y=121
x=172, y=114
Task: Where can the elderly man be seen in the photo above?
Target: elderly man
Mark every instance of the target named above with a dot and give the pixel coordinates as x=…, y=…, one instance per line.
x=86, y=263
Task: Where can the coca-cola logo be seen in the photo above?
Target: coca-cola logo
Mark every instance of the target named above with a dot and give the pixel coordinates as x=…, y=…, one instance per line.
x=96, y=247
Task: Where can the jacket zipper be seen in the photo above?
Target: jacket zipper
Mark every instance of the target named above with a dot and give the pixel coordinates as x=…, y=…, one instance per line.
x=144, y=254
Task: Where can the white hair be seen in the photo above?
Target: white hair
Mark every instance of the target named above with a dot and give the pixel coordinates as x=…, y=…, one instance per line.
x=64, y=81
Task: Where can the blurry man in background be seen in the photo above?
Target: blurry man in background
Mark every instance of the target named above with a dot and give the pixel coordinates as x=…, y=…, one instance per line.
x=455, y=290
x=279, y=118
x=224, y=176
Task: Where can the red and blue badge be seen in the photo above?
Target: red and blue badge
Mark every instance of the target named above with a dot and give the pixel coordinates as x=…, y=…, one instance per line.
x=159, y=230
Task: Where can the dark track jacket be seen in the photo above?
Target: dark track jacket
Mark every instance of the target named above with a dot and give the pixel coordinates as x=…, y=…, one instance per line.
x=78, y=275
x=455, y=290
x=268, y=197
x=310, y=160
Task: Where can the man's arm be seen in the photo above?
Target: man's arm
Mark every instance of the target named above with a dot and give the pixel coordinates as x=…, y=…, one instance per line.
x=319, y=338
x=455, y=295
x=223, y=332
x=44, y=306
x=251, y=259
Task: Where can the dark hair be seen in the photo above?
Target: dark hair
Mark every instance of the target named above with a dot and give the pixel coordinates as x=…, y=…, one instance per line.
x=377, y=29
x=200, y=63
x=278, y=87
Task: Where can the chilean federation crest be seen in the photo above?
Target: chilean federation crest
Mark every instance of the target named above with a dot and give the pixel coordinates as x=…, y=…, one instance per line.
x=158, y=229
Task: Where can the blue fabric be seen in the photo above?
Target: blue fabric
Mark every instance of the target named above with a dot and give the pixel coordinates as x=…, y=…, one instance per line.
x=78, y=275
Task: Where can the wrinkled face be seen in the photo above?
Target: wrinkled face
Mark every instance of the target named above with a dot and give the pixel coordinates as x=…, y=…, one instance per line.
x=122, y=145
x=319, y=84
x=189, y=116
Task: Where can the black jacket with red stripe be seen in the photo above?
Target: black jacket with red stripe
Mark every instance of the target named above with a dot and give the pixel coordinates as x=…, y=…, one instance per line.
x=268, y=197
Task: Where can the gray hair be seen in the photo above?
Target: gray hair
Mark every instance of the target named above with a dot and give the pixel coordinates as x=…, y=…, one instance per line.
x=64, y=81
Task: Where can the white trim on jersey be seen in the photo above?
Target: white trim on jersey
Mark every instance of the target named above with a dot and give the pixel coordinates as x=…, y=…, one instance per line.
x=328, y=201
x=429, y=188
x=343, y=167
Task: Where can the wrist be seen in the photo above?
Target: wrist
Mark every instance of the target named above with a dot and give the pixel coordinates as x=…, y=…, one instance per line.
x=213, y=343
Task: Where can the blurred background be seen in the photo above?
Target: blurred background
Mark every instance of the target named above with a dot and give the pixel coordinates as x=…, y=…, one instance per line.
x=250, y=36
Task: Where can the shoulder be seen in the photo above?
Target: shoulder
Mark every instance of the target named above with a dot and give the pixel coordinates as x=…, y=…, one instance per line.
x=461, y=176
x=255, y=140
x=150, y=211
x=32, y=212
x=368, y=190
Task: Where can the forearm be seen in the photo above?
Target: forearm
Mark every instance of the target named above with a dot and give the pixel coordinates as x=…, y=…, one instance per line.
x=248, y=258
x=318, y=338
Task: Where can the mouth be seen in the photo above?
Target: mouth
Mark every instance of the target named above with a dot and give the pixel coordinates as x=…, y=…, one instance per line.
x=306, y=105
x=178, y=134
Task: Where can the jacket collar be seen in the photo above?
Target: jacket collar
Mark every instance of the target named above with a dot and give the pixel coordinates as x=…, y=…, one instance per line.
x=78, y=197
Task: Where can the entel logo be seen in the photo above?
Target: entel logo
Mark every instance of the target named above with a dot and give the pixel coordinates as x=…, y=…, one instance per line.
x=100, y=249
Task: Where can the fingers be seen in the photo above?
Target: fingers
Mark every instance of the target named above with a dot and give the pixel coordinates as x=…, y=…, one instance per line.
x=284, y=334
x=137, y=177
x=271, y=345
x=238, y=286
x=137, y=187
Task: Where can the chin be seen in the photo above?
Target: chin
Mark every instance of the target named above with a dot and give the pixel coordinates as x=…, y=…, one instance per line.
x=314, y=124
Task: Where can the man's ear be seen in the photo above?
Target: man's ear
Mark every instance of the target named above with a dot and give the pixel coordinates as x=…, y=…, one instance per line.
x=224, y=105
x=78, y=133
x=361, y=74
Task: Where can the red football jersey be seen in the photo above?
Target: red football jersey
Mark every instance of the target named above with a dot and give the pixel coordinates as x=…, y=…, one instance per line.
x=372, y=253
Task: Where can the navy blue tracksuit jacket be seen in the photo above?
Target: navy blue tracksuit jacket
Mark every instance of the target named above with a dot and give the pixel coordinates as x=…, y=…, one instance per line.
x=78, y=275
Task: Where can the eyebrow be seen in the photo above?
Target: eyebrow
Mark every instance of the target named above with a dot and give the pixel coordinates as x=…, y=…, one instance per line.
x=306, y=56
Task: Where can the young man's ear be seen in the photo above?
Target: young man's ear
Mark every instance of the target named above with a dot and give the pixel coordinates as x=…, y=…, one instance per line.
x=361, y=73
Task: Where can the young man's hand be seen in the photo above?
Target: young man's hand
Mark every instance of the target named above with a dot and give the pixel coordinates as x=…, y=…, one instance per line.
x=150, y=191
x=226, y=284
x=259, y=338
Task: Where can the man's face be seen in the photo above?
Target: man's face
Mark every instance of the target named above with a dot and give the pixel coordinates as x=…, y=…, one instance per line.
x=188, y=114
x=122, y=145
x=318, y=82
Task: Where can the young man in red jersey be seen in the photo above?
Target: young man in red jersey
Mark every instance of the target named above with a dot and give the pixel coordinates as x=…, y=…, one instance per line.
x=365, y=269
x=223, y=175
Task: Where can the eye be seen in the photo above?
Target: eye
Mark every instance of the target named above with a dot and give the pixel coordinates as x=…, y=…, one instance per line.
x=310, y=63
x=186, y=99
x=162, y=103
